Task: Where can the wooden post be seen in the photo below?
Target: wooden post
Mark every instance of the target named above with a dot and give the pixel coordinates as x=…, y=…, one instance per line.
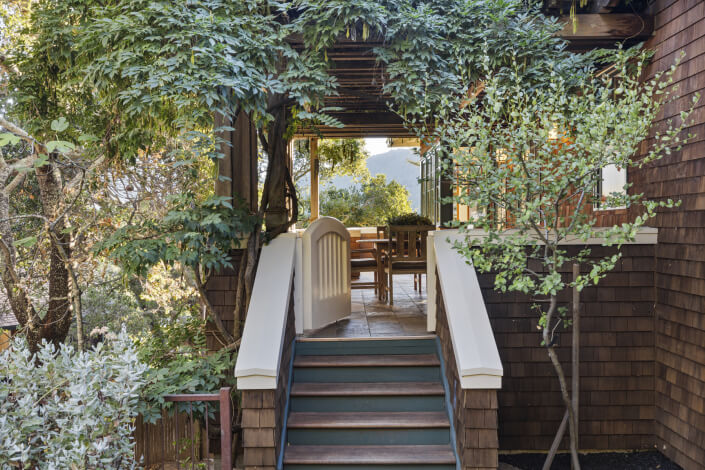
x=226, y=434
x=313, y=150
x=575, y=388
x=237, y=169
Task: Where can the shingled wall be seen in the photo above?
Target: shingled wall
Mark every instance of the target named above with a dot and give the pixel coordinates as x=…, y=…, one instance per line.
x=617, y=361
x=680, y=254
x=221, y=289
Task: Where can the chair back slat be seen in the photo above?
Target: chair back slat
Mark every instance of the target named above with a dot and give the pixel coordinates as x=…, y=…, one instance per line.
x=408, y=242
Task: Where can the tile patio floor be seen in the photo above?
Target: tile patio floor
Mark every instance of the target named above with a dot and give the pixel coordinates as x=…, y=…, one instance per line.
x=373, y=318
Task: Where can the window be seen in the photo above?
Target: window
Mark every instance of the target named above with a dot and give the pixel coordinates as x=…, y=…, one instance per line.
x=612, y=181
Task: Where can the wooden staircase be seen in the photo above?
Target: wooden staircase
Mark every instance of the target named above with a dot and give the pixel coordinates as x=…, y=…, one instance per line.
x=368, y=405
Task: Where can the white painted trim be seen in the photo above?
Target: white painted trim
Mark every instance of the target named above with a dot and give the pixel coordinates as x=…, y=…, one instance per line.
x=257, y=382
x=481, y=382
x=645, y=236
x=476, y=353
x=257, y=364
x=430, y=283
x=299, y=286
x=326, y=274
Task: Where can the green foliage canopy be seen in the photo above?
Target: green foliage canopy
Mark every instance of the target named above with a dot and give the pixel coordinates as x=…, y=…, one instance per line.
x=366, y=204
x=337, y=157
x=180, y=362
x=196, y=234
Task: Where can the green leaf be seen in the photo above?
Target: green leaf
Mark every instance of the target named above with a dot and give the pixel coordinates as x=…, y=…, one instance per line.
x=42, y=160
x=87, y=138
x=59, y=125
x=7, y=138
x=60, y=146
x=26, y=242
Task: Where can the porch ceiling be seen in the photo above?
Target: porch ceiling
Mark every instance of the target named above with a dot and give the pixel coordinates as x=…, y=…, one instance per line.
x=365, y=108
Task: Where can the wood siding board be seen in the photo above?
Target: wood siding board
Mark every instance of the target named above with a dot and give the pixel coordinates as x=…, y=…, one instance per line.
x=680, y=267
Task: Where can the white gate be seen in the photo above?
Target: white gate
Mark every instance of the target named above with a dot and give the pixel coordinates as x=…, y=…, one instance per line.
x=326, y=273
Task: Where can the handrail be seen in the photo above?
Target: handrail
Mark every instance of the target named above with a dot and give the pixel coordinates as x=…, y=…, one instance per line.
x=476, y=354
x=258, y=361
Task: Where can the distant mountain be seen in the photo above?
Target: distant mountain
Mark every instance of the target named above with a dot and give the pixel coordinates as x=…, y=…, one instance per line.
x=396, y=164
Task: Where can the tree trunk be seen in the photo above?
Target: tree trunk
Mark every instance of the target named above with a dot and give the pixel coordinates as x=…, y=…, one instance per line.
x=575, y=376
x=57, y=321
x=276, y=212
x=20, y=303
x=565, y=394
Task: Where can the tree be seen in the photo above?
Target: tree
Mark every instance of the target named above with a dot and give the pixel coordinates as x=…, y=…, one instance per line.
x=366, y=204
x=336, y=157
x=531, y=160
x=172, y=64
x=139, y=73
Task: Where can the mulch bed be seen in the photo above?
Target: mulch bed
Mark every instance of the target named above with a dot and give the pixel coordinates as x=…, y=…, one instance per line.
x=651, y=460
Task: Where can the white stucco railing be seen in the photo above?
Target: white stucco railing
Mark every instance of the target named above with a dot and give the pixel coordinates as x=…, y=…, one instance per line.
x=257, y=366
x=476, y=353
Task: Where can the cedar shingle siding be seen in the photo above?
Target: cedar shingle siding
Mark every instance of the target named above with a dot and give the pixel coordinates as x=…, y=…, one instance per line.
x=617, y=361
x=680, y=254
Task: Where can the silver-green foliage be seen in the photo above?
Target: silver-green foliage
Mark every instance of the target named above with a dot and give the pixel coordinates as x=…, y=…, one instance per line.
x=65, y=409
x=531, y=159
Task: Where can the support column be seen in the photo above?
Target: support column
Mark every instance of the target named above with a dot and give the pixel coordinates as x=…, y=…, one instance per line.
x=313, y=151
x=237, y=177
x=237, y=170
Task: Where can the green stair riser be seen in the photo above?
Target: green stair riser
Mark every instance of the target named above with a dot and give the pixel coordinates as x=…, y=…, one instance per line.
x=367, y=374
x=384, y=403
x=349, y=437
x=372, y=403
x=369, y=467
x=381, y=347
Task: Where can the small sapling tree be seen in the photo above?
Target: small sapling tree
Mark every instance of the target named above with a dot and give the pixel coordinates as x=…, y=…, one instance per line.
x=530, y=160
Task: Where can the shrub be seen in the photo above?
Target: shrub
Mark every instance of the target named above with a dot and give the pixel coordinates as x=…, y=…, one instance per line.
x=180, y=362
x=410, y=218
x=69, y=409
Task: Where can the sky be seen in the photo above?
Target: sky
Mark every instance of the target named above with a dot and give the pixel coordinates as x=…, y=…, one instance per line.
x=376, y=145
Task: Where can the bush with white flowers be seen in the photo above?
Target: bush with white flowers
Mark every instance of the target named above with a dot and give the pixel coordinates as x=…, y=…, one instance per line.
x=64, y=409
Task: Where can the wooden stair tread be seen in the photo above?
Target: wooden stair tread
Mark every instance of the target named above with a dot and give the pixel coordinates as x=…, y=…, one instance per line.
x=379, y=360
x=366, y=389
x=369, y=455
x=368, y=420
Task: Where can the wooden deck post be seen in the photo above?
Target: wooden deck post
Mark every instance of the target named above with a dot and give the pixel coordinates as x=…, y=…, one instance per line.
x=313, y=150
x=226, y=432
x=237, y=169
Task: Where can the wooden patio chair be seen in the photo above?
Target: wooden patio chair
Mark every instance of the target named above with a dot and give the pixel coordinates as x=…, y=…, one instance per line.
x=407, y=253
x=367, y=263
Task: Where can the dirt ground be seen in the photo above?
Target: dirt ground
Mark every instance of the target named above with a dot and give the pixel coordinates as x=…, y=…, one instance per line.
x=651, y=460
